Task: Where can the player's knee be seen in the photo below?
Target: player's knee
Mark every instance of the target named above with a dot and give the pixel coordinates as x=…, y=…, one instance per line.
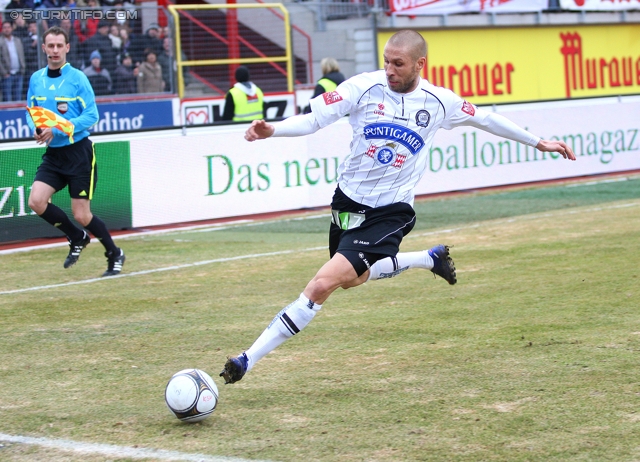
x=321, y=287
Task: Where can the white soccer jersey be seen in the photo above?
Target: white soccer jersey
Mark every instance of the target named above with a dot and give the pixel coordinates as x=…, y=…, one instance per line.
x=393, y=133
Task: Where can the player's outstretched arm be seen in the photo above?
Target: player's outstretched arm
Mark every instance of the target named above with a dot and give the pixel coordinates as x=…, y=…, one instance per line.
x=556, y=146
x=259, y=130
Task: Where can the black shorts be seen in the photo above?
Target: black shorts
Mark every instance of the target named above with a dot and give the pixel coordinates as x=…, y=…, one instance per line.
x=364, y=234
x=73, y=165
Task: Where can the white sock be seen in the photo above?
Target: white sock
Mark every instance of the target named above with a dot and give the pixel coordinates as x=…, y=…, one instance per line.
x=287, y=323
x=392, y=266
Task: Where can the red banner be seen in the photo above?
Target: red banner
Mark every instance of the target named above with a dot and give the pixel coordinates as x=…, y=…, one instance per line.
x=437, y=7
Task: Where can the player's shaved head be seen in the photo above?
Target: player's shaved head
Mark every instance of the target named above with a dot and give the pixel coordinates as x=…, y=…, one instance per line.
x=411, y=41
x=405, y=56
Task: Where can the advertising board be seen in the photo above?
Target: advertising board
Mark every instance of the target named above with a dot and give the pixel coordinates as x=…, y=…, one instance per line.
x=113, y=117
x=600, y=5
x=500, y=65
x=213, y=172
x=433, y=7
x=111, y=202
x=209, y=110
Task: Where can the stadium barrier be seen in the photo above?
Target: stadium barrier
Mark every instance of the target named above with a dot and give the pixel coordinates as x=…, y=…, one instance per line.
x=202, y=173
x=271, y=63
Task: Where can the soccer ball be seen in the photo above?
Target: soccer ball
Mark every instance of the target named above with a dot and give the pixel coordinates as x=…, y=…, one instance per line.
x=191, y=395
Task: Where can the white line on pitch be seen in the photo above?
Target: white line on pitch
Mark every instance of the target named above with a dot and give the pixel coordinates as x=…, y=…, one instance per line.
x=168, y=231
x=311, y=249
x=158, y=270
x=111, y=450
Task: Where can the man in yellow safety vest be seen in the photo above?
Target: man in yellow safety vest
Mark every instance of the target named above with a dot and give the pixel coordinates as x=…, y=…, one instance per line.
x=244, y=101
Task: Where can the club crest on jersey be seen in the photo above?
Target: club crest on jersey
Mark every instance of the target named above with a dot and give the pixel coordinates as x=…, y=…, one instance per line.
x=386, y=155
x=468, y=108
x=331, y=97
x=395, y=133
x=422, y=118
x=63, y=107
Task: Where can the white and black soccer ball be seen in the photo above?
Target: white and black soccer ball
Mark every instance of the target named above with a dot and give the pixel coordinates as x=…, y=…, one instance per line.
x=191, y=395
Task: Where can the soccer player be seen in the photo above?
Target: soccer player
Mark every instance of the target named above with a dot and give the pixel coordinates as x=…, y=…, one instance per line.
x=394, y=114
x=66, y=91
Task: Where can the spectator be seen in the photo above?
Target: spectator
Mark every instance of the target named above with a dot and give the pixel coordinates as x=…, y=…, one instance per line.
x=18, y=5
x=139, y=44
x=244, y=101
x=56, y=4
x=87, y=28
x=20, y=28
x=331, y=78
x=125, y=48
x=74, y=57
x=30, y=47
x=52, y=20
x=122, y=19
x=102, y=43
x=150, y=75
x=99, y=77
x=12, y=64
x=114, y=36
x=170, y=67
x=125, y=77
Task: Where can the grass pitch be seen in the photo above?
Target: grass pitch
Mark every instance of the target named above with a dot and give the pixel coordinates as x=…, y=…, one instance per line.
x=533, y=355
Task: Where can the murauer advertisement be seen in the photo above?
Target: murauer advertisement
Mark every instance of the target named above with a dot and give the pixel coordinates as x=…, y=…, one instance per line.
x=502, y=65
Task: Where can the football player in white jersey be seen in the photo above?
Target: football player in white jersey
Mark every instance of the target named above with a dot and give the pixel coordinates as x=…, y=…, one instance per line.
x=394, y=114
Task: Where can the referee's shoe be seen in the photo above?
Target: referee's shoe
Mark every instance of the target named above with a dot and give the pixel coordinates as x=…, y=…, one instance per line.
x=115, y=261
x=75, y=247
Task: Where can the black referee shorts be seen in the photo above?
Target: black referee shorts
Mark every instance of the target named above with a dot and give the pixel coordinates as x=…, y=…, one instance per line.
x=364, y=234
x=73, y=165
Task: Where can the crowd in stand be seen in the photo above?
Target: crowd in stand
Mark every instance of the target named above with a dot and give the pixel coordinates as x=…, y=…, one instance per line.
x=117, y=57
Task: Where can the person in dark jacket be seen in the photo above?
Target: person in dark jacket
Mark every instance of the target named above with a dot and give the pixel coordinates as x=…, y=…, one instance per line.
x=74, y=57
x=141, y=43
x=125, y=77
x=102, y=43
x=30, y=46
x=99, y=77
x=331, y=78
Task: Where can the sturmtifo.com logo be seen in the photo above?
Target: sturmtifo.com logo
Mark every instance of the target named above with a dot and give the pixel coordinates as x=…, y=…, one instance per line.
x=73, y=14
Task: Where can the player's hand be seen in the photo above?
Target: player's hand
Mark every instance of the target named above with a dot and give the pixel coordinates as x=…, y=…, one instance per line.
x=259, y=130
x=45, y=136
x=556, y=146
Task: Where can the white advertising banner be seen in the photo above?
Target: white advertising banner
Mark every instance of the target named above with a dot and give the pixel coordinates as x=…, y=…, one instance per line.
x=209, y=110
x=216, y=173
x=437, y=7
x=213, y=172
x=604, y=137
x=600, y=5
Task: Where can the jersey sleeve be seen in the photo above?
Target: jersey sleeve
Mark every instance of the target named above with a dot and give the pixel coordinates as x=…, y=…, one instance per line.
x=89, y=115
x=333, y=105
x=462, y=113
x=297, y=125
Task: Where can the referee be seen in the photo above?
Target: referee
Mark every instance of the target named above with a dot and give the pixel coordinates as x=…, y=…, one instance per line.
x=66, y=91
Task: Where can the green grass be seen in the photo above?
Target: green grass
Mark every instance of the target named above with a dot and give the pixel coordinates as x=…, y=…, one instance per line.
x=532, y=356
